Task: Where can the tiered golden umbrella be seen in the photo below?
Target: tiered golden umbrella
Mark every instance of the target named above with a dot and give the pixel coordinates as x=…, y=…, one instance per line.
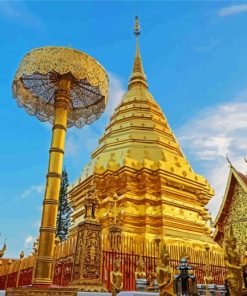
x=67, y=88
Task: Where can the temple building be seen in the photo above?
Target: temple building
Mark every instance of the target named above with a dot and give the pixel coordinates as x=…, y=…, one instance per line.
x=232, y=215
x=139, y=200
x=144, y=182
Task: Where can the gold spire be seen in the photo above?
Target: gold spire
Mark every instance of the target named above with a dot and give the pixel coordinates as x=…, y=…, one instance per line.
x=138, y=76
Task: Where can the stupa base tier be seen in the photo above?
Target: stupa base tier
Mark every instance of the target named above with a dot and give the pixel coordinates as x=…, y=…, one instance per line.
x=76, y=286
x=34, y=291
x=88, y=286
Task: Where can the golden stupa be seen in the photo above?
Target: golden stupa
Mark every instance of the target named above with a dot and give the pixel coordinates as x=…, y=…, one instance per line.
x=144, y=182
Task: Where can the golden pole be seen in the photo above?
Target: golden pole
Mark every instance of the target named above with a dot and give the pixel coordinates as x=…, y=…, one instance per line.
x=42, y=85
x=44, y=263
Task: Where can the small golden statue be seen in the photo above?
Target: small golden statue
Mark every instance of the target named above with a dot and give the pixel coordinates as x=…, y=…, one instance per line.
x=152, y=282
x=165, y=274
x=140, y=276
x=208, y=279
x=208, y=276
x=232, y=261
x=140, y=273
x=116, y=278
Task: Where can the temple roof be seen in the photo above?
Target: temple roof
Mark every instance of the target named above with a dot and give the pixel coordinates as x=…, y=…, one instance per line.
x=234, y=177
x=139, y=135
x=243, y=177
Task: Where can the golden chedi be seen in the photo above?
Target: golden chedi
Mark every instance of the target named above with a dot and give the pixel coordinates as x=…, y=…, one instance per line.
x=139, y=158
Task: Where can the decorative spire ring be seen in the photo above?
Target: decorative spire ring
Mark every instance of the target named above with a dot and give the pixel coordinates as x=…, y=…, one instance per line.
x=137, y=30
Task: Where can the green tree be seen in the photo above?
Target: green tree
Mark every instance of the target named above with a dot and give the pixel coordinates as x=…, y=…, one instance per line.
x=64, y=209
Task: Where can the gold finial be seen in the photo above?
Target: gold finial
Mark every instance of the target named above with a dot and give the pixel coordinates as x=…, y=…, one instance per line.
x=137, y=30
x=4, y=248
x=138, y=77
x=22, y=254
x=228, y=160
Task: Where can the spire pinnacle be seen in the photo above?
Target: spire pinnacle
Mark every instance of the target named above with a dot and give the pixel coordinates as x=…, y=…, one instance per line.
x=137, y=30
x=138, y=76
x=228, y=160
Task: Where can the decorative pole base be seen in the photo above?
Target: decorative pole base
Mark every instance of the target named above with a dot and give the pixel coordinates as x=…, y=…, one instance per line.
x=33, y=291
x=87, y=261
x=87, y=257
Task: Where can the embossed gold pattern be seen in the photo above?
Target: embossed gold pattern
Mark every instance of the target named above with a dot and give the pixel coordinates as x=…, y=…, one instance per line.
x=237, y=216
x=36, y=82
x=88, y=253
x=30, y=291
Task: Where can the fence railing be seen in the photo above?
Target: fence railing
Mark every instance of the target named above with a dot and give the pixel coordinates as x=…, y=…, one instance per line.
x=20, y=272
x=63, y=271
x=129, y=262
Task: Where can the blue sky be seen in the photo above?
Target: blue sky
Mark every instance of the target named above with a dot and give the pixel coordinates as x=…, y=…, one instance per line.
x=194, y=56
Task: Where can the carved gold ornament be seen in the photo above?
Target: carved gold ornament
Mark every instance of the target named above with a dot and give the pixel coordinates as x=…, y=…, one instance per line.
x=36, y=83
x=237, y=216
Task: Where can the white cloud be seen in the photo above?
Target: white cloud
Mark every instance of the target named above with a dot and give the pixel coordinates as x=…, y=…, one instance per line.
x=29, y=240
x=71, y=145
x=213, y=134
x=82, y=139
x=233, y=9
x=18, y=11
x=38, y=189
x=116, y=92
x=35, y=224
x=8, y=9
x=87, y=137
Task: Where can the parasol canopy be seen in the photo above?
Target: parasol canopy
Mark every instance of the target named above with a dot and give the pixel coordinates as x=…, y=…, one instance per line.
x=37, y=78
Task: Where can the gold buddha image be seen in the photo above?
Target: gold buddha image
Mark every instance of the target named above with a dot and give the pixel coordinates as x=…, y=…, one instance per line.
x=165, y=274
x=116, y=278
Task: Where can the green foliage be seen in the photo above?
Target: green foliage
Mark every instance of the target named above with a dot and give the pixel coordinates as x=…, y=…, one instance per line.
x=64, y=209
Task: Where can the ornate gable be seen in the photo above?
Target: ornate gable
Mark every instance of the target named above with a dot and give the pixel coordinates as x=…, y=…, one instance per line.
x=233, y=210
